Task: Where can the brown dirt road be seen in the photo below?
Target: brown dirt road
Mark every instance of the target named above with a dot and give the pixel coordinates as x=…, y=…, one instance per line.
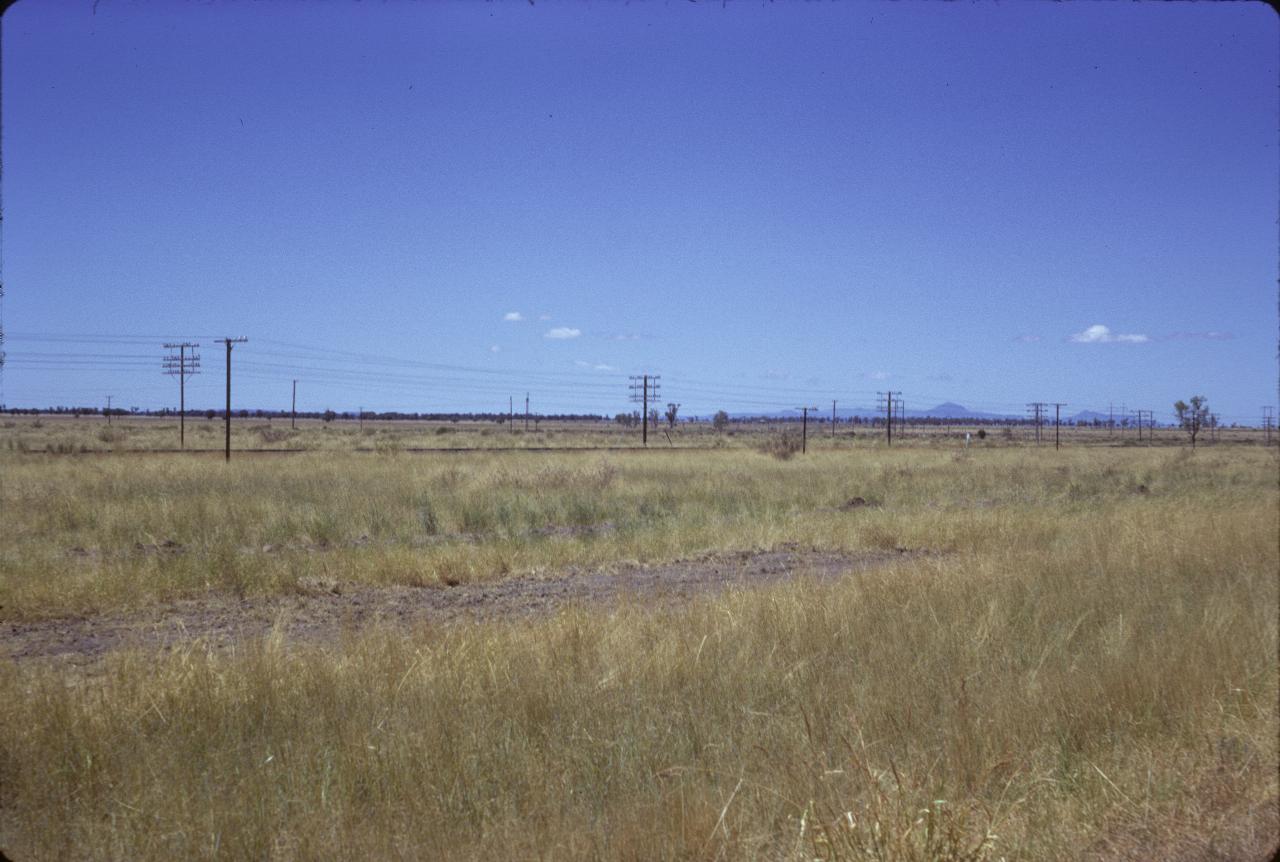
x=323, y=611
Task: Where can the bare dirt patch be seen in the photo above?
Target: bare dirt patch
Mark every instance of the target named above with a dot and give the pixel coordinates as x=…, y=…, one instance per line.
x=324, y=610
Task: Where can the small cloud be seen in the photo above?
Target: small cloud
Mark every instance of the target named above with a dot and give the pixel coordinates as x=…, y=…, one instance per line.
x=513, y=316
x=1099, y=334
x=1212, y=335
x=1028, y=339
x=493, y=348
x=544, y=317
x=879, y=375
x=594, y=366
x=562, y=332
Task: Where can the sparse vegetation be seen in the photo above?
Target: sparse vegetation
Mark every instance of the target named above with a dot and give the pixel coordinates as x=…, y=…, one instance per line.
x=1085, y=653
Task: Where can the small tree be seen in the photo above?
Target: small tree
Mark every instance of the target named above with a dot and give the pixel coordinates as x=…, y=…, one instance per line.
x=1192, y=417
x=672, y=409
x=721, y=421
x=328, y=416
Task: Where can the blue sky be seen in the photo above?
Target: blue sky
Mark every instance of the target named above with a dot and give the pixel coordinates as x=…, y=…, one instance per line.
x=768, y=204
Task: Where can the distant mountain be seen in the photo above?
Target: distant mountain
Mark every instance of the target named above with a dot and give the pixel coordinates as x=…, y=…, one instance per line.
x=951, y=410
x=1089, y=416
x=946, y=410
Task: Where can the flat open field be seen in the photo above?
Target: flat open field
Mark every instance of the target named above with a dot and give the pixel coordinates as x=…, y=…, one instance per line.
x=1004, y=652
x=69, y=434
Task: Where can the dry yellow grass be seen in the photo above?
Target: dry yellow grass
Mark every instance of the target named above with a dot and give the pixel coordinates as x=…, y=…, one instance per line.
x=1085, y=660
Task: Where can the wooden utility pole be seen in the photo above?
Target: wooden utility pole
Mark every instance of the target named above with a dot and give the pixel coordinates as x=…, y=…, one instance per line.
x=1036, y=408
x=229, y=341
x=641, y=392
x=1150, y=425
x=1111, y=418
x=804, y=428
x=526, y=413
x=1268, y=420
x=182, y=366
x=1057, y=415
x=886, y=400
x=293, y=407
x=360, y=418
x=833, y=419
x=109, y=397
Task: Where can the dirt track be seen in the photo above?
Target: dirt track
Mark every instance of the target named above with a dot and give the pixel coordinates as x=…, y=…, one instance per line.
x=321, y=611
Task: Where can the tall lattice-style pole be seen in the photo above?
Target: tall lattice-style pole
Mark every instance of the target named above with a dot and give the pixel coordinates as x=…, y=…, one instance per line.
x=182, y=366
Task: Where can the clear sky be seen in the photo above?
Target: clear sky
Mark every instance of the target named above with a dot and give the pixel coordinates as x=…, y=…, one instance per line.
x=768, y=204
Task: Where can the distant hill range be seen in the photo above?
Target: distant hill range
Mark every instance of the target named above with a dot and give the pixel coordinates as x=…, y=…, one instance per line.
x=947, y=410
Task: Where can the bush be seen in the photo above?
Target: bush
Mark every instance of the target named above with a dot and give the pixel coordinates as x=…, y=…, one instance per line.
x=274, y=435
x=782, y=446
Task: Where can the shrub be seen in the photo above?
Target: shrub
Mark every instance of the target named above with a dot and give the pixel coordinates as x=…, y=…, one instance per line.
x=782, y=446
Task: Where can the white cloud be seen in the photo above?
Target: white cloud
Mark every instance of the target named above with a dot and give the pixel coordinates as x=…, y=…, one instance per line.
x=513, y=316
x=561, y=332
x=493, y=348
x=1212, y=335
x=594, y=366
x=879, y=375
x=1099, y=334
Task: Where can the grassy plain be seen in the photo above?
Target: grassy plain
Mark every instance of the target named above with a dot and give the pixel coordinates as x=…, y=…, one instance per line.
x=1086, y=666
